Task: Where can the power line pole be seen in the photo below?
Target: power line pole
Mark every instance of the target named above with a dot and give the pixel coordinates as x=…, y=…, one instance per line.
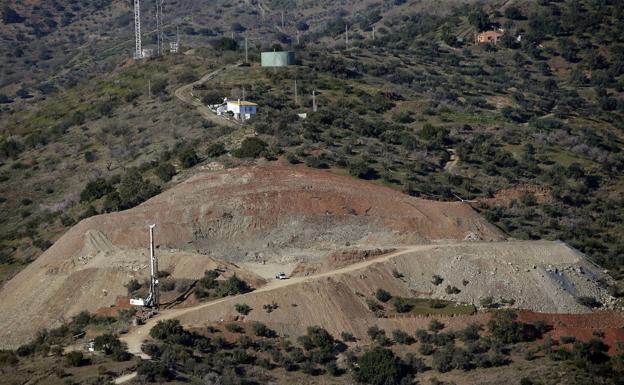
x=373, y=32
x=296, y=94
x=138, y=50
x=347, y=36
x=314, y=106
x=149, y=88
x=298, y=37
x=282, y=19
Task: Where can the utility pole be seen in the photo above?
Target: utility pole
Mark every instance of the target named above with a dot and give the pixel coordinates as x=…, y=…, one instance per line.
x=347, y=36
x=296, y=94
x=314, y=106
x=138, y=50
x=282, y=19
x=373, y=32
x=149, y=88
x=298, y=37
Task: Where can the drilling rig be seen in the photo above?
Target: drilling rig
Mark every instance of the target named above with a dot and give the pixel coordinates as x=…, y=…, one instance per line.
x=153, y=297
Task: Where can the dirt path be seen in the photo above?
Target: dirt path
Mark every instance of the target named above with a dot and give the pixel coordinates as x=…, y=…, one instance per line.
x=135, y=337
x=185, y=94
x=453, y=161
x=125, y=378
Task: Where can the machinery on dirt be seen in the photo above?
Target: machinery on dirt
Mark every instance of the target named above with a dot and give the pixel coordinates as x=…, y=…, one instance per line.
x=153, y=296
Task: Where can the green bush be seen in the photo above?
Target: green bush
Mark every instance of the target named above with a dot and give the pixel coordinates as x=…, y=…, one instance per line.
x=261, y=330
x=251, y=148
x=75, y=358
x=165, y=171
x=401, y=337
x=8, y=358
x=243, y=308
x=380, y=366
x=382, y=295
x=402, y=305
x=188, y=157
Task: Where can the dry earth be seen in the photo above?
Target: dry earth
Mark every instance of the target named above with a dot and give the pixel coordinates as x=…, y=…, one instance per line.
x=274, y=213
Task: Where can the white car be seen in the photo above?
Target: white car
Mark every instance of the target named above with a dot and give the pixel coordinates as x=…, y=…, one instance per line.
x=281, y=276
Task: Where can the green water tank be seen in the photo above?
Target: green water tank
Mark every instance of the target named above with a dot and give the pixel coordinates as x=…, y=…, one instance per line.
x=278, y=59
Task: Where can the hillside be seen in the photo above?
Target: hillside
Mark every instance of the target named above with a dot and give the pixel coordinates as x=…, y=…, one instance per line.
x=269, y=213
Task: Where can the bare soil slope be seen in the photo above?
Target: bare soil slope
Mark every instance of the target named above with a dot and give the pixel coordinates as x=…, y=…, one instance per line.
x=540, y=276
x=266, y=212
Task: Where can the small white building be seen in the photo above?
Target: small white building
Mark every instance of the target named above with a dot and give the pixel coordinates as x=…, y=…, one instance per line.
x=242, y=109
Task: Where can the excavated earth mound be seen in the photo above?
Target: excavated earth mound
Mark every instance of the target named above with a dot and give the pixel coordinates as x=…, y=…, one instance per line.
x=274, y=213
x=539, y=276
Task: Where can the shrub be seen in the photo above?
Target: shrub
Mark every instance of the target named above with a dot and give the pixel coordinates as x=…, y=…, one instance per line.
x=133, y=286
x=8, y=358
x=242, y=308
x=589, y=301
x=165, y=171
x=437, y=280
x=374, y=332
x=567, y=339
x=452, y=290
x=234, y=328
x=269, y=307
x=153, y=371
x=402, y=305
x=383, y=295
x=426, y=349
x=401, y=337
x=261, y=330
x=215, y=150
x=435, y=325
x=487, y=302
x=251, y=148
x=380, y=366
x=188, y=157
x=347, y=337
x=107, y=343
x=75, y=358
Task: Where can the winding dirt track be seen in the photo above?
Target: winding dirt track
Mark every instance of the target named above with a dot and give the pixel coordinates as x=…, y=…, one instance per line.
x=185, y=94
x=135, y=337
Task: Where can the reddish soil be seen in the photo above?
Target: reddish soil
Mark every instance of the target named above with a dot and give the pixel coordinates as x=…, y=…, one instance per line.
x=582, y=326
x=121, y=303
x=505, y=196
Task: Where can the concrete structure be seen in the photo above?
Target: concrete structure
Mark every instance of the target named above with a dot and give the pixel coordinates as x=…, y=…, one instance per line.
x=242, y=109
x=492, y=37
x=278, y=59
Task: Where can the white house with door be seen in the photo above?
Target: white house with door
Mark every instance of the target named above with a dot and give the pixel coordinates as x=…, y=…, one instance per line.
x=242, y=109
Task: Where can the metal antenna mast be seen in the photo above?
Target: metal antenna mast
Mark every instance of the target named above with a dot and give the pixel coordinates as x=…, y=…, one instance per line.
x=159, y=25
x=138, y=50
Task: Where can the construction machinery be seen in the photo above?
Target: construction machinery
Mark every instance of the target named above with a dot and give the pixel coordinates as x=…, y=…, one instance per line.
x=153, y=296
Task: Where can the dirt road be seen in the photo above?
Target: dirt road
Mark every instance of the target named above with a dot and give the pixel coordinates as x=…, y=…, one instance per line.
x=135, y=337
x=185, y=94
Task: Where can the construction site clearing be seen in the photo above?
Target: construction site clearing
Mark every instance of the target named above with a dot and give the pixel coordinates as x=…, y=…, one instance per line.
x=337, y=240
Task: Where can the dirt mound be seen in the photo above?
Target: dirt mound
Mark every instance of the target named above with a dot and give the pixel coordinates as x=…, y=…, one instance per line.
x=524, y=272
x=274, y=213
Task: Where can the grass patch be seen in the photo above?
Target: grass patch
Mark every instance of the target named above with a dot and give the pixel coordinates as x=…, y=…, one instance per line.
x=424, y=306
